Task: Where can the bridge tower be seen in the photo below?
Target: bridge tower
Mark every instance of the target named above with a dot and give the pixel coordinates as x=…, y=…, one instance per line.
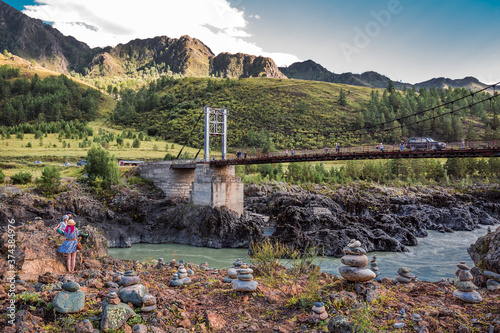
x=215, y=125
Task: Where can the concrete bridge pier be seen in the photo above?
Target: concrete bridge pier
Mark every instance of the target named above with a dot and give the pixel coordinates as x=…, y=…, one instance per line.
x=199, y=184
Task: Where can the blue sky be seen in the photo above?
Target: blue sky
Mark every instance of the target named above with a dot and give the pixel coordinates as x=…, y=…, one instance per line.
x=407, y=40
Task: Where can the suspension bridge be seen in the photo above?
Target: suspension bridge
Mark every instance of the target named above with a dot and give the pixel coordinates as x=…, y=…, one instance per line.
x=212, y=182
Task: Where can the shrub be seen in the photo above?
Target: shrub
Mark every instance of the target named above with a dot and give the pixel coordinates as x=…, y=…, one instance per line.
x=2, y=176
x=29, y=144
x=136, y=143
x=51, y=179
x=101, y=168
x=22, y=177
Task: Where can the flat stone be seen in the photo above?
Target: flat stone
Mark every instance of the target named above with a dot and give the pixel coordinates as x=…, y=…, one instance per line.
x=84, y=327
x=149, y=308
x=417, y=317
x=354, y=250
x=227, y=279
x=492, y=285
x=355, y=260
x=404, y=270
x=323, y=315
x=465, y=285
x=356, y=274
x=129, y=280
x=399, y=325
x=47, y=278
x=185, y=280
x=113, y=301
x=319, y=309
x=319, y=304
x=190, y=272
x=354, y=243
x=133, y=294
x=463, y=266
x=245, y=277
x=492, y=275
x=175, y=282
x=408, y=275
x=468, y=297
x=69, y=302
x=245, y=271
x=130, y=273
x=239, y=285
x=114, y=316
x=71, y=286
x=402, y=279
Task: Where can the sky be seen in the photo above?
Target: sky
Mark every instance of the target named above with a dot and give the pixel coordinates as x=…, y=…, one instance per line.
x=407, y=40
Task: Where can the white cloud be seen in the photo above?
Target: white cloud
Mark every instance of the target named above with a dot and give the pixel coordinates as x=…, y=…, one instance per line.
x=110, y=22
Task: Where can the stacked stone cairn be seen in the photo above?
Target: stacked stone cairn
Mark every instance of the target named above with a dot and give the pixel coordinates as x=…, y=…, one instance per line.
x=114, y=313
x=148, y=303
x=244, y=281
x=70, y=299
x=493, y=282
x=160, y=263
x=356, y=261
x=180, y=277
x=319, y=311
x=173, y=263
x=131, y=290
x=374, y=267
x=204, y=266
x=466, y=290
x=405, y=276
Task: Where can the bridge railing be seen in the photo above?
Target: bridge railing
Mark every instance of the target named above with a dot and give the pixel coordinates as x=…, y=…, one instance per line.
x=459, y=145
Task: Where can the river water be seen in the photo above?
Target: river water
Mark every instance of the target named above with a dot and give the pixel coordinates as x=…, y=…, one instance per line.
x=435, y=256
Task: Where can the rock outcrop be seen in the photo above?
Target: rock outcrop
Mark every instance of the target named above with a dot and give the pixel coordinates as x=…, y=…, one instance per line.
x=36, y=250
x=485, y=252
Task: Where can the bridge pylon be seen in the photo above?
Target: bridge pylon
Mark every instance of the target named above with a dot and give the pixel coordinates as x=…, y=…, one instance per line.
x=215, y=125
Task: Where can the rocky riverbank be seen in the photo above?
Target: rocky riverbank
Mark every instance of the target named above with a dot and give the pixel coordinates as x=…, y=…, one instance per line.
x=383, y=218
x=53, y=301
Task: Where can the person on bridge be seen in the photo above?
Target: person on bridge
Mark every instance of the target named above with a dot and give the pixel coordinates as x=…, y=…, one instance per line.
x=245, y=154
x=381, y=147
x=337, y=145
x=292, y=152
x=286, y=152
x=326, y=149
x=463, y=143
x=402, y=145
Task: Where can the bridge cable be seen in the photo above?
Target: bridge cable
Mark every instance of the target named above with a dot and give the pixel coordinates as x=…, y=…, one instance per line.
x=189, y=137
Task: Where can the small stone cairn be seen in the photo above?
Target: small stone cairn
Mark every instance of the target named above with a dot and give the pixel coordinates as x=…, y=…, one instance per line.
x=466, y=290
x=374, y=266
x=244, y=282
x=131, y=290
x=204, y=266
x=319, y=311
x=356, y=261
x=405, y=276
x=70, y=299
x=160, y=263
x=182, y=274
x=493, y=282
x=114, y=313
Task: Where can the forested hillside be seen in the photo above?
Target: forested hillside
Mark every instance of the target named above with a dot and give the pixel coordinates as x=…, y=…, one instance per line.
x=52, y=98
x=280, y=114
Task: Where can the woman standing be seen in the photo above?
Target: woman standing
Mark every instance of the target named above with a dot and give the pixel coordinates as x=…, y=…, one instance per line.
x=69, y=245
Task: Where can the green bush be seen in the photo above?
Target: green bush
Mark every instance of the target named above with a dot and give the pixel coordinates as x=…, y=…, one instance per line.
x=50, y=181
x=2, y=176
x=136, y=143
x=102, y=168
x=22, y=177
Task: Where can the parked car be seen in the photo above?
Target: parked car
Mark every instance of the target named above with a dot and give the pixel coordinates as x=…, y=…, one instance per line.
x=81, y=163
x=421, y=143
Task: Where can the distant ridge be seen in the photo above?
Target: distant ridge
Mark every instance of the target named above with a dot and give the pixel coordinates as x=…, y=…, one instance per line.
x=310, y=70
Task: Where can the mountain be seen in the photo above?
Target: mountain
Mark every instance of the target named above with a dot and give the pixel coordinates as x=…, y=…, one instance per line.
x=310, y=70
x=471, y=83
x=31, y=39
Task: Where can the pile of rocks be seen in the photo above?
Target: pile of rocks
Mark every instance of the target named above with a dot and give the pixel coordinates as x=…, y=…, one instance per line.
x=466, y=289
x=244, y=281
x=405, y=276
x=356, y=260
x=160, y=263
x=374, y=266
x=149, y=303
x=70, y=299
x=319, y=311
x=114, y=313
x=181, y=277
x=131, y=290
